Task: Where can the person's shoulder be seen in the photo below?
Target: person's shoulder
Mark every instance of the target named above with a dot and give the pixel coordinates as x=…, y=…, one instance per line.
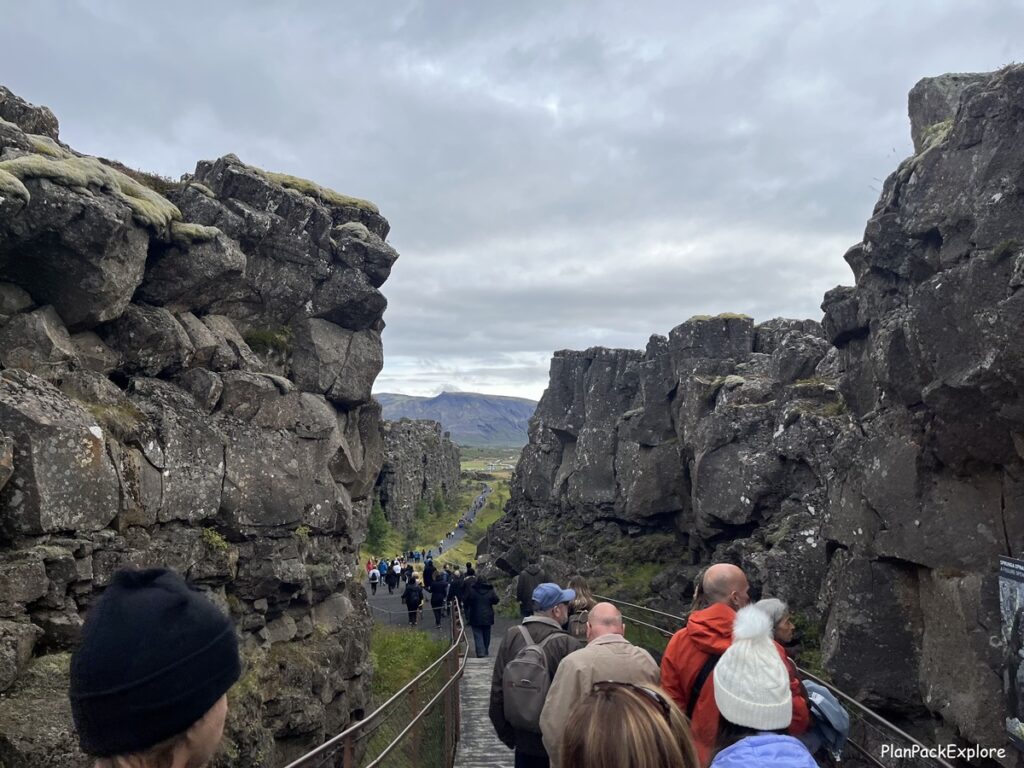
x=766, y=749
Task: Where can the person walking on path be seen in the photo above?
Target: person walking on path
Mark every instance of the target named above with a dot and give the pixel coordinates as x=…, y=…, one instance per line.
x=525, y=584
x=454, y=589
x=579, y=609
x=693, y=652
x=369, y=565
x=479, y=599
x=550, y=612
x=150, y=676
x=374, y=580
x=608, y=656
x=391, y=579
x=438, y=593
x=413, y=599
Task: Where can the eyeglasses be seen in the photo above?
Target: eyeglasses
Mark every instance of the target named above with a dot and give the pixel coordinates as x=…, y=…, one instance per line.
x=651, y=695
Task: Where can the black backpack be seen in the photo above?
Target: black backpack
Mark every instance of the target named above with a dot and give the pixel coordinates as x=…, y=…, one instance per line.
x=413, y=596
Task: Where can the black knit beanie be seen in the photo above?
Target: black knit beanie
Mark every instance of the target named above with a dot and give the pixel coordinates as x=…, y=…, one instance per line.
x=155, y=655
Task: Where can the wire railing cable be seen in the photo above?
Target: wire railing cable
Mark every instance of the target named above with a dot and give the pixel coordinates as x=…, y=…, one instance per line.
x=341, y=748
x=872, y=717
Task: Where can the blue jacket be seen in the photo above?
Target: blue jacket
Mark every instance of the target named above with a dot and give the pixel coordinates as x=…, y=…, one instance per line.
x=766, y=750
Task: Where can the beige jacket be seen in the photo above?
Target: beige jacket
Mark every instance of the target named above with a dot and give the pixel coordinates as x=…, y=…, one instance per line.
x=608, y=657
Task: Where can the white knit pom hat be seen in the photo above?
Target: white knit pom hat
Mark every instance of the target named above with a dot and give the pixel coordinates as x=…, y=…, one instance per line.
x=751, y=682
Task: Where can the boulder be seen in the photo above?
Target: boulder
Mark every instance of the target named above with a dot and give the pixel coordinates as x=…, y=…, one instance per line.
x=232, y=350
x=205, y=386
x=82, y=253
x=192, y=276
x=348, y=299
x=14, y=299
x=150, y=341
x=335, y=362
x=39, y=343
x=17, y=639
x=935, y=100
x=63, y=479
x=186, y=448
x=29, y=117
x=94, y=354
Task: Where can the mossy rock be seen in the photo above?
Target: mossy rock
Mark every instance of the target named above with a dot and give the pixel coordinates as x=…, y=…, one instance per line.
x=186, y=233
x=81, y=173
x=318, y=193
x=270, y=339
x=935, y=134
x=201, y=188
x=121, y=420
x=355, y=229
x=11, y=187
x=722, y=316
x=44, y=145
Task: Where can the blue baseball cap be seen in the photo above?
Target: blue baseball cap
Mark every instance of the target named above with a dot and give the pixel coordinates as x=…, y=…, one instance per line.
x=547, y=596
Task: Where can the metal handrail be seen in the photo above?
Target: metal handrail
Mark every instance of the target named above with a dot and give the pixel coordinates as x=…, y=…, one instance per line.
x=357, y=728
x=872, y=715
x=672, y=616
x=861, y=708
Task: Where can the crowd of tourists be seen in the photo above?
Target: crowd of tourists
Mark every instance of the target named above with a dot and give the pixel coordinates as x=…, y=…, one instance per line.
x=568, y=688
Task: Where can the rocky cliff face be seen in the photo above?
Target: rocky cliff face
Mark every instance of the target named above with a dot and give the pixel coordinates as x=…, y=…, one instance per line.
x=419, y=461
x=727, y=440
x=185, y=374
x=713, y=442
x=927, y=492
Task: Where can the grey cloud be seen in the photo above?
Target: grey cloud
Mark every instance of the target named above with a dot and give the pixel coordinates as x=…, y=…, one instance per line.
x=556, y=175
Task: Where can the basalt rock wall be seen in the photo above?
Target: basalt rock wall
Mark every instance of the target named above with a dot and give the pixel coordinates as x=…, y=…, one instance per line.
x=644, y=465
x=185, y=374
x=881, y=510
x=927, y=492
x=420, y=461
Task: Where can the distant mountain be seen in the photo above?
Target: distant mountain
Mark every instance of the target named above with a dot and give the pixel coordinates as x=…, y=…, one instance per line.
x=475, y=420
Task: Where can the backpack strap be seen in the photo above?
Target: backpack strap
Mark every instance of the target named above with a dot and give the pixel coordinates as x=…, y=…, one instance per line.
x=698, y=684
x=526, y=635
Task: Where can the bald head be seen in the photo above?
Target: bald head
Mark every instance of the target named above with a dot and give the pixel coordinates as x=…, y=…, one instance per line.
x=604, y=619
x=725, y=583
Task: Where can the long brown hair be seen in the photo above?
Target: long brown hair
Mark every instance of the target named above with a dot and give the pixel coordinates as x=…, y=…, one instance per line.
x=584, y=600
x=623, y=725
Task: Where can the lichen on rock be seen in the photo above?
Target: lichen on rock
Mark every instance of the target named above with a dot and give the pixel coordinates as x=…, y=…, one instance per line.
x=82, y=173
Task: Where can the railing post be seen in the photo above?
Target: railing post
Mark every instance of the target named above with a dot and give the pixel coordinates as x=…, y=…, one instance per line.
x=449, y=713
x=347, y=758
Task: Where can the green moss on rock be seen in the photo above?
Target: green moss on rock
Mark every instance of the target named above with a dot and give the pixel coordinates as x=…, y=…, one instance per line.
x=935, y=134
x=314, y=190
x=271, y=339
x=81, y=173
x=12, y=188
x=186, y=233
x=355, y=229
x=201, y=188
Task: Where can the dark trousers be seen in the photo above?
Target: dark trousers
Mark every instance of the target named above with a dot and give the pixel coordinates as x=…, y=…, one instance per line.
x=373, y=587
x=524, y=760
x=412, y=615
x=438, y=613
x=482, y=641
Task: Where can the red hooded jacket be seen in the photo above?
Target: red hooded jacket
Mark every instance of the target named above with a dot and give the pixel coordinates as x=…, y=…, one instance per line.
x=708, y=632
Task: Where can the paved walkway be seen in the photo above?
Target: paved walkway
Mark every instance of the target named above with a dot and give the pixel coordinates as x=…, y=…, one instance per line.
x=479, y=746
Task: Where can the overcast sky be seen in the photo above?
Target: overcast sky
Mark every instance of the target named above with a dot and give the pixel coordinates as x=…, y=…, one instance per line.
x=556, y=175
